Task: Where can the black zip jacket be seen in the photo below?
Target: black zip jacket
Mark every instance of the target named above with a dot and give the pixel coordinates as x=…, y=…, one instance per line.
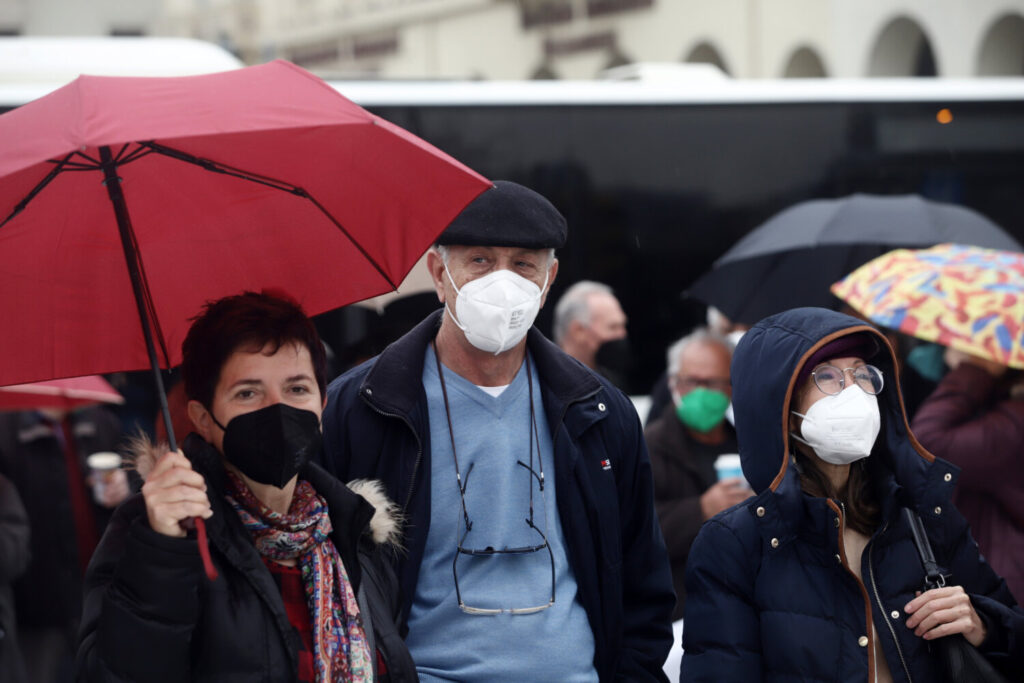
x=151, y=615
x=376, y=426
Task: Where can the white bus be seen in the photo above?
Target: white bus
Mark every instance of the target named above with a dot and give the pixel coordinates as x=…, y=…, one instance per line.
x=32, y=66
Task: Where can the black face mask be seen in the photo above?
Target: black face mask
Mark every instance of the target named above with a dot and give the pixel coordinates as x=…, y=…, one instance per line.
x=616, y=356
x=270, y=445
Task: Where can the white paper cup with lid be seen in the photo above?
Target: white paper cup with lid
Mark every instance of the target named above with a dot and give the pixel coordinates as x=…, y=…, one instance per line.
x=102, y=466
x=728, y=466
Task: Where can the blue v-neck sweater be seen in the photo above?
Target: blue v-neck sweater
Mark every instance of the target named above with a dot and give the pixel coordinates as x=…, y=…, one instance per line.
x=492, y=436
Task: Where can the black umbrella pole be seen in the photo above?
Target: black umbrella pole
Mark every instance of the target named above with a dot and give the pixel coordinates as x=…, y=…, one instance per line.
x=131, y=257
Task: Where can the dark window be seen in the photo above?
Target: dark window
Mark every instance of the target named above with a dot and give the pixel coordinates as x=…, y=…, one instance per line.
x=654, y=194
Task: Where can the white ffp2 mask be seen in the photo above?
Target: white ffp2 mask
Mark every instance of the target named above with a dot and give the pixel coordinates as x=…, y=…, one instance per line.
x=496, y=311
x=842, y=428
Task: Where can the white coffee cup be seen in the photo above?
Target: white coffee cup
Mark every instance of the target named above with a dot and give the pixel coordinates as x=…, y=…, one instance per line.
x=728, y=466
x=102, y=465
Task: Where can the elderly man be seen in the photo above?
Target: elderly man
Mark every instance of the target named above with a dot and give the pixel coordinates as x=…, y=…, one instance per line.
x=685, y=440
x=590, y=326
x=533, y=551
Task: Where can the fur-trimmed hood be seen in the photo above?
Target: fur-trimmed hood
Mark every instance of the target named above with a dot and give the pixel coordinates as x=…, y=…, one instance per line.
x=385, y=525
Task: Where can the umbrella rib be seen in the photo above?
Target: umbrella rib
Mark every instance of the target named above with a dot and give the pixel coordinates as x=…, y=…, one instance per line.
x=217, y=167
x=96, y=162
x=147, y=297
x=373, y=262
x=79, y=166
x=69, y=165
x=20, y=206
x=135, y=155
x=118, y=158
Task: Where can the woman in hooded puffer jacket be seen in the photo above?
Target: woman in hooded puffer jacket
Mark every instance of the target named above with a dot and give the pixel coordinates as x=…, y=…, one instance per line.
x=817, y=577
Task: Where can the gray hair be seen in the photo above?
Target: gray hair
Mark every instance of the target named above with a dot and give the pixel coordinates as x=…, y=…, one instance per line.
x=573, y=306
x=700, y=335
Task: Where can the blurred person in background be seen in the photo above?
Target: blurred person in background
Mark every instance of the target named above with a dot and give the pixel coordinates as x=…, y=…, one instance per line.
x=303, y=589
x=817, y=577
x=721, y=324
x=684, y=442
x=975, y=419
x=43, y=452
x=718, y=324
x=14, y=558
x=590, y=326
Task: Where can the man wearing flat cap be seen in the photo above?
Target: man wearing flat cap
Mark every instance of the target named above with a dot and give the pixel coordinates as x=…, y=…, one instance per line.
x=532, y=548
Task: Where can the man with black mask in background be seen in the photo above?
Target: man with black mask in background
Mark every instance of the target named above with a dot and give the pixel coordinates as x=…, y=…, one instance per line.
x=590, y=326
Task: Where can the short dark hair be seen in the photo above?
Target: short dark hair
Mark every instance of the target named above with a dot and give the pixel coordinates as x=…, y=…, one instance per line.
x=252, y=321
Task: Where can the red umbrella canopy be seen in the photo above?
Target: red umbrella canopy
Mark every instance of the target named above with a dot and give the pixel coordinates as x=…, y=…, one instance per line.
x=67, y=394
x=263, y=177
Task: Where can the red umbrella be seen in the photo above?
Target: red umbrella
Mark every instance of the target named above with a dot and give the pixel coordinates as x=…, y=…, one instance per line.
x=139, y=199
x=254, y=178
x=67, y=394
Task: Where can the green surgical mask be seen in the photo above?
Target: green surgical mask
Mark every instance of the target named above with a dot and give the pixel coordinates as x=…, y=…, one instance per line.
x=928, y=360
x=702, y=409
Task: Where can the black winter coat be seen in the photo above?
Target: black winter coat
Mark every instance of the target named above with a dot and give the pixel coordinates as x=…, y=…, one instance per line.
x=376, y=426
x=771, y=596
x=151, y=615
x=14, y=557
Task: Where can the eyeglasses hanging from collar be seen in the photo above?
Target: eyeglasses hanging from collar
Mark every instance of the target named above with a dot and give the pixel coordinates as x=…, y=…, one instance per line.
x=460, y=549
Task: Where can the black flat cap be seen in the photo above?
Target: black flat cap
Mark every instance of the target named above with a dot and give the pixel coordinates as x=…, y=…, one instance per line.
x=507, y=215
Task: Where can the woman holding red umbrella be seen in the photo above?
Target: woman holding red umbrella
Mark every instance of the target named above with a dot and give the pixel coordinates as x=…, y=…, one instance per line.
x=304, y=591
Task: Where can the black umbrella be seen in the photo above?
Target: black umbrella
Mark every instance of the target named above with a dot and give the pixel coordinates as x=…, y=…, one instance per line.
x=794, y=257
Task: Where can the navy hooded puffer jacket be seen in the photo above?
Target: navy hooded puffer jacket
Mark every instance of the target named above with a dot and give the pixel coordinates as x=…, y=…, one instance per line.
x=770, y=596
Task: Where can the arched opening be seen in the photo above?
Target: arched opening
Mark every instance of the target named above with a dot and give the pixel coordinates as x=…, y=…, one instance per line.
x=804, y=63
x=1002, y=48
x=705, y=53
x=902, y=49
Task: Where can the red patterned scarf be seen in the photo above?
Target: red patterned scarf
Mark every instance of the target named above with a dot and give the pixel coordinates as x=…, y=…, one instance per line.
x=340, y=650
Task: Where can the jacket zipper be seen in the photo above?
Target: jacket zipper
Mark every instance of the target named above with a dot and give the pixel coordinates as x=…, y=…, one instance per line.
x=419, y=449
x=873, y=673
x=878, y=599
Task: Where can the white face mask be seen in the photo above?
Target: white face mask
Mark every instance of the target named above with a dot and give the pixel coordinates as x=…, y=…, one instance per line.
x=842, y=428
x=496, y=311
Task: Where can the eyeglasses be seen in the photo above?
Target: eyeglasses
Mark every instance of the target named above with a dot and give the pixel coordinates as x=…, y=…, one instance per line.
x=832, y=380
x=687, y=384
x=462, y=550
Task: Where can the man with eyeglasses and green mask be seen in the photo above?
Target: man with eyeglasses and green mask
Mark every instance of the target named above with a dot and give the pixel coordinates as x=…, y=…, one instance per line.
x=533, y=550
x=686, y=439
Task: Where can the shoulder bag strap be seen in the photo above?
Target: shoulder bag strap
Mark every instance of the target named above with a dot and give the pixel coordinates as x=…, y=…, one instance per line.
x=933, y=574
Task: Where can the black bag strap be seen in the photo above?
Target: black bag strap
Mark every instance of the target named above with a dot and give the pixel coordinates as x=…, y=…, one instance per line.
x=933, y=574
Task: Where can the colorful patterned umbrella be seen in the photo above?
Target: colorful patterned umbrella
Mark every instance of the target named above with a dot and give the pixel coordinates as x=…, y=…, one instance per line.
x=967, y=298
